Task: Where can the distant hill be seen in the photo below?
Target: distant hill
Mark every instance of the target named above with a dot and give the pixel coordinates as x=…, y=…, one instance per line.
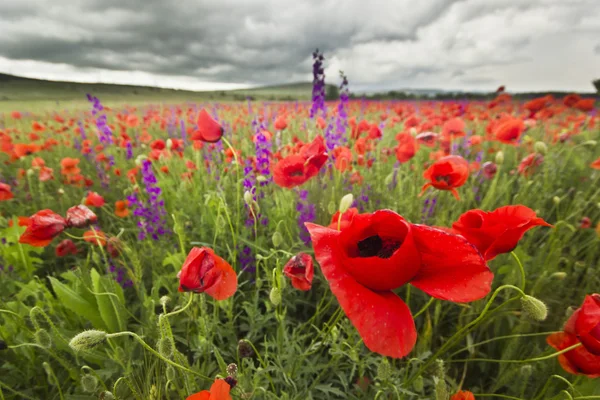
x=16, y=88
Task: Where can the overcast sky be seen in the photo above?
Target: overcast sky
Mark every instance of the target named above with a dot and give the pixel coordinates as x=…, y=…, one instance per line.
x=380, y=45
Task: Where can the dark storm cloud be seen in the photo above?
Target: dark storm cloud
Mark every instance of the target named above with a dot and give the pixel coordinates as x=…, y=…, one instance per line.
x=379, y=43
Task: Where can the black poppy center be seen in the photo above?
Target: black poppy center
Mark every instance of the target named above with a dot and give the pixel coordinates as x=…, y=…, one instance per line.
x=375, y=246
x=444, y=178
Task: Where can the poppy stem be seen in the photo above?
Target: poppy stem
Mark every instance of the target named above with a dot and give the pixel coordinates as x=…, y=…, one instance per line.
x=542, y=358
x=501, y=338
x=424, y=308
x=182, y=309
x=156, y=353
x=523, y=277
x=545, y=388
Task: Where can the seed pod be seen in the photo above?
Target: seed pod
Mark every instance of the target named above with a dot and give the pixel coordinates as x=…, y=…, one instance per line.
x=89, y=383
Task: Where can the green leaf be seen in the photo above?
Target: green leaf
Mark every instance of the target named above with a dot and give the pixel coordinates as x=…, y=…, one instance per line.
x=109, y=303
x=74, y=302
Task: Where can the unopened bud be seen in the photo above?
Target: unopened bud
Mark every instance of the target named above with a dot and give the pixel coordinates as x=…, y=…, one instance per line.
x=559, y=275
x=169, y=143
x=248, y=197
x=87, y=340
x=245, y=349
x=441, y=389
x=556, y=200
x=499, y=158
x=540, y=148
x=346, y=202
x=60, y=191
x=164, y=300
x=331, y=207
x=418, y=384
x=384, y=370
x=165, y=347
x=170, y=373
x=275, y=296
x=106, y=395
x=526, y=371
x=261, y=179
x=534, y=308
x=42, y=338
x=140, y=159
x=30, y=172
x=89, y=383
x=38, y=318
x=277, y=239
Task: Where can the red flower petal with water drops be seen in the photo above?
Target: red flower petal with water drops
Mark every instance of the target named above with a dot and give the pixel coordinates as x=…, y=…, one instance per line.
x=43, y=226
x=498, y=231
x=208, y=130
x=300, y=270
x=382, y=319
x=205, y=272
x=451, y=268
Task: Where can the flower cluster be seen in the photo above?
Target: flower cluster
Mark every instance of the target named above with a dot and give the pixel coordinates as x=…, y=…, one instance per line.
x=318, y=92
x=104, y=133
x=151, y=213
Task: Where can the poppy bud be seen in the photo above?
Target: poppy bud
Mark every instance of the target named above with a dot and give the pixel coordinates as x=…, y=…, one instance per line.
x=275, y=296
x=38, y=317
x=49, y=373
x=541, y=148
x=384, y=370
x=248, y=197
x=232, y=369
x=60, y=191
x=261, y=179
x=42, y=337
x=164, y=300
x=556, y=200
x=170, y=373
x=89, y=383
x=245, y=349
x=441, y=389
x=534, y=308
x=559, y=275
x=346, y=202
x=277, y=239
x=30, y=172
x=418, y=384
x=106, y=395
x=139, y=160
x=169, y=143
x=87, y=340
x=165, y=347
x=80, y=216
x=499, y=158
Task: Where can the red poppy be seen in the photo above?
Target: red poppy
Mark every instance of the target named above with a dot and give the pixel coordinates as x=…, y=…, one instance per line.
x=296, y=169
x=585, y=105
x=94, y=199
x=300, y=270
x=208, y=130
x=345, y=220
x=463, y=395
x=582, y=327
x=218, y=391
x=43, y=226
x=46, y=174
x=596, y=164
x=453, y=128
x=570, y=99
x=95, y=237
x=529, y=165
x=205, y=272
x=5, y=192
x=407, y=147
x=489, y=170
x=65, y=248
x=280, y=123
x=379, y=252
x=509, y=131
x=80, y=216
x=585, y=223
x=447, y=173
x=121, y=209
x=427, y=138
x=498, y=231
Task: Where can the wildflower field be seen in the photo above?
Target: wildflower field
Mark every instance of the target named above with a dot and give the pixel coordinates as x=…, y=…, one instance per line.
x=301, y=250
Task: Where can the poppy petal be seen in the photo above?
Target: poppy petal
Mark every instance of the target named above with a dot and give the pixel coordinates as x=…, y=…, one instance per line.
x=220, y=390
x=382, y=319
x=209, y=130
x=451, y=268
x=226, y=285
x=203, y=395
x=587, y=324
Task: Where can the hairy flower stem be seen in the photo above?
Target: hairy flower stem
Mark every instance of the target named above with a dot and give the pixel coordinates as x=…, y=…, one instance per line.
x=530, y=360
x=523, y=277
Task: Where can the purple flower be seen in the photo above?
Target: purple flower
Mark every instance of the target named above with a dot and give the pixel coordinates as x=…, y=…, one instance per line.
x=318, y=92
x=104, y=132
x=307, y=212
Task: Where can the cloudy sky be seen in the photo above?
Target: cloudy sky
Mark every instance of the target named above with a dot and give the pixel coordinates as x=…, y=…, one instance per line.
x=380, y=44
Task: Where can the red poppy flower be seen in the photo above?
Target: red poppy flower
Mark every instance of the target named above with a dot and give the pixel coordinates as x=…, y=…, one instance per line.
x=498, y=231
x=95, y=237
x=585, y=223
x=296, y=169
x=509, y=131
x=427, y=138
x=453, y=128
x=570, y=99
x=582, y=327
x=208, y=130
x=407, y=147
x=80, y=216
x=585, y=105
x=379, y=252
x=596, y=164
x=205, y=272
x=489, y=170
x=346, y=219
x=218, y=391
x=94, y=199
x=300, y=270
x=530, y=164
x=65, y=248
x=5, y=192
x=43, y=226
x=447, y=173
x=280, y=123
x=463, y=395
x=121, y=209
